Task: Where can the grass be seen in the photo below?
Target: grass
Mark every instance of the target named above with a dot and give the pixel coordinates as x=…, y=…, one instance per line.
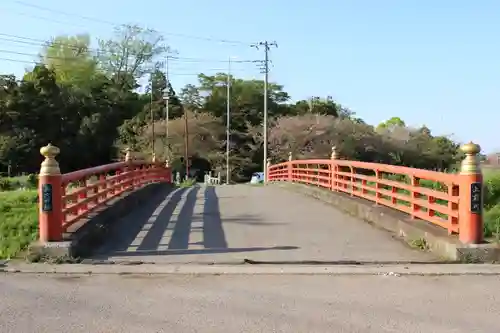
x=18, y=221
x=188, y=182
x=19, y=182
x=492, y=203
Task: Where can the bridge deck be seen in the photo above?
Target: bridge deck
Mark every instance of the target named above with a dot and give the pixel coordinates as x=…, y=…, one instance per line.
x=227, y=224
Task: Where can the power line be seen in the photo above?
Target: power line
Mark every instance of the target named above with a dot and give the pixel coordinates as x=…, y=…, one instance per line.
x=92, y=19
x=47, y=19
x=66, y=59
x=221, y=70
x=187, y=59
x=266, y=45
x=42, y=43
x=39, y=42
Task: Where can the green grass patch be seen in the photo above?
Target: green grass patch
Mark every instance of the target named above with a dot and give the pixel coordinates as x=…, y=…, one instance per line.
x=19, y=182
x=188, y=182
x=18, y=221
x=492, y=203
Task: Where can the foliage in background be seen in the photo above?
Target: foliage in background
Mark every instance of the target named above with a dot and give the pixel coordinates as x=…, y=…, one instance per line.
x=85, y=101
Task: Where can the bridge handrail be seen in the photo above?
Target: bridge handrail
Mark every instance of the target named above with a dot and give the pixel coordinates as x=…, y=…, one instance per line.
x=79, y=174
x=451, y=201
x=65, y=199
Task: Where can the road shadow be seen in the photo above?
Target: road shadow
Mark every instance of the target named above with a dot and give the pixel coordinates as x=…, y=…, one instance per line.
x=163, y=227
x=153, y=216
x=213, y=232
x=180, y=236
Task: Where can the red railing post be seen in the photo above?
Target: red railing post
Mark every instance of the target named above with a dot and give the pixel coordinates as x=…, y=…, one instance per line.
x=130, y=171
x=153, y=173
x=83, y=195
x=168, y=172
x=471, y=197
x=333, y=169
x=290, y=167
x=50, y=196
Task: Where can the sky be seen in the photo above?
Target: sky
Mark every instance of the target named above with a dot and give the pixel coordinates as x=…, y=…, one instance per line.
x=433, y=63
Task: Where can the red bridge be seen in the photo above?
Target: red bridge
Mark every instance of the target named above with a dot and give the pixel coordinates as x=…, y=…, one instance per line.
x=308, y=210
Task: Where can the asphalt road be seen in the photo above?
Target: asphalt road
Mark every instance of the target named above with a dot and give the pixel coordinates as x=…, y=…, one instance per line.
x=289, y=303
x=231, y=223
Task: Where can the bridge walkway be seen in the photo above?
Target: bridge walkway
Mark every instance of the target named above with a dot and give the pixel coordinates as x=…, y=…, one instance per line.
x=230, y=224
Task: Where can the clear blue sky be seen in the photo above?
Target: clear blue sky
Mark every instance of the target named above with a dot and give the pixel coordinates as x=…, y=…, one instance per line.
x=427, y=61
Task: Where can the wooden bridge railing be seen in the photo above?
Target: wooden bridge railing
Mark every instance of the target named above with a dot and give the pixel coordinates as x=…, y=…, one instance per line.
x=451, y=201
x=66, y=198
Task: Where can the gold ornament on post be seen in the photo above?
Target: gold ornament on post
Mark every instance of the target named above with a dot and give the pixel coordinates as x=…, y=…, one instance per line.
x=470, y=164
x=128, y=154
x=333, y=155
x=49, y=166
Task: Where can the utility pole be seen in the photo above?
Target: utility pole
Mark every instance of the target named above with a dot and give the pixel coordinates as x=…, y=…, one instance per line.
x=186, y=142
x=166, y=96
x=267, y=45
x=228, y=118
x=152, y=116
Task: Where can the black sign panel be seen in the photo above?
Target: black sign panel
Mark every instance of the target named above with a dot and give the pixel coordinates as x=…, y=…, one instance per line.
x=47, y=197
x=476, y=198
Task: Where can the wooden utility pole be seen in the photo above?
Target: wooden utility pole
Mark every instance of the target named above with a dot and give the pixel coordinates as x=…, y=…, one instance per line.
x=186, y=142
x=152, y=116
x=267, y=45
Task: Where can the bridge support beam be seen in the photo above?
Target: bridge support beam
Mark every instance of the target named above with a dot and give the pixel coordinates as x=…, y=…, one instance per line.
x=471, y=197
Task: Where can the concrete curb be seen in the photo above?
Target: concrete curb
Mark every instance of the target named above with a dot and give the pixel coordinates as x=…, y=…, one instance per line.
x=187, y=269
x=433, y=238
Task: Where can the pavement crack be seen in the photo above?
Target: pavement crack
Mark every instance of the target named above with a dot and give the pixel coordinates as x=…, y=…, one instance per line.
x=345, y=262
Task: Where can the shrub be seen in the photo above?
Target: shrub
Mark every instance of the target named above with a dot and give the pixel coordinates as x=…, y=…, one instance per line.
x=5, y=184
x=492, y=222
x=32, y=181
x=492, y=204
x=491, y=189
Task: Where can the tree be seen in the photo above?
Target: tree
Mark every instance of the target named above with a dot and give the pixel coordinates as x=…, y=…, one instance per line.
x=191, y=98
x=204, y=131
x=87, y=104
x=71, y=59
x=312, y=136
x=391, y=124
x=131, y=53
x=323, y=106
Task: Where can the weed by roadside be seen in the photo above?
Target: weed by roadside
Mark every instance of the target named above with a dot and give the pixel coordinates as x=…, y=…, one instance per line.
x=188, y=182
x=420, y=244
